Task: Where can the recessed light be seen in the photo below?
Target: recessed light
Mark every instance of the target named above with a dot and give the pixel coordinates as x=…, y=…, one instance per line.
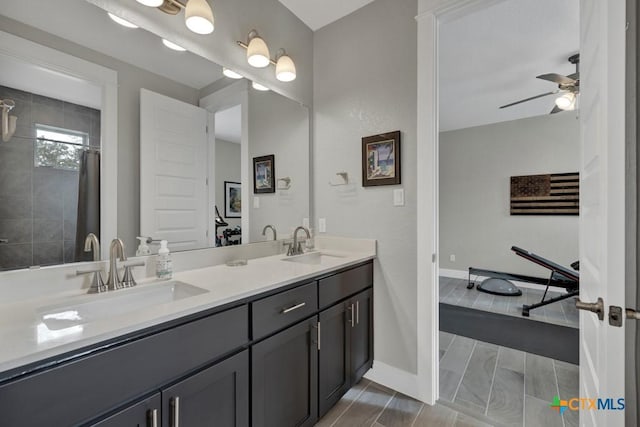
x=121, y=21
x=258, y=86
x=151, y=3
x=230, y=73
x=172, y=45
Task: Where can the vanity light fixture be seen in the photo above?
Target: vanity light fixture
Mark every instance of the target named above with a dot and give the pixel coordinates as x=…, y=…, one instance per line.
x=285, y=68
x=198, y=16
x=172, y=45
x=121, y=21
x=258, y=56
x=231, y=74
x=257, y=51
x=258, y=86
x=151, y=3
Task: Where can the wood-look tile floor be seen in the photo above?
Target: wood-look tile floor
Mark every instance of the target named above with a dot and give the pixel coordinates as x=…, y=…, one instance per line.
x=481, y=385
x=455, y=292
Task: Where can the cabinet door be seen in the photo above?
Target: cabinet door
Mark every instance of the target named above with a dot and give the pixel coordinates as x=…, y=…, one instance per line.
x=334, y=362
x=362, y=335
x=142, y=414
x=284, y=378
x=218, y=396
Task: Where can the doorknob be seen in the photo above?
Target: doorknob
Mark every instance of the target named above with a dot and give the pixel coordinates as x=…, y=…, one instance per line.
x=594, y=307
x=632, y=314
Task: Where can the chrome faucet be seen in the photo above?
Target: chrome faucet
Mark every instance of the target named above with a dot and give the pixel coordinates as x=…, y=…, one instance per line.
x=92, y=244
x=116, y=250
x=264, y=231
x=296, y=248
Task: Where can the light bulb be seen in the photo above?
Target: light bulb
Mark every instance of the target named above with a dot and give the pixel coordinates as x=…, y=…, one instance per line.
x=257, y=51
x=172, y=45
x=121, y=21
x=198, y=17
x=566, y=101
x=151, y=3
x=230, y=73
x=285, y=69
x=258, y=86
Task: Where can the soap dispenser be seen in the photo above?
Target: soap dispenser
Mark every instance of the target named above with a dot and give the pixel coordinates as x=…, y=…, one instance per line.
x=143, y=248
x=164, y=266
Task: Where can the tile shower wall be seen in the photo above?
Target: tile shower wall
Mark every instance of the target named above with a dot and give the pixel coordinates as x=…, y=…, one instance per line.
x=38, y=205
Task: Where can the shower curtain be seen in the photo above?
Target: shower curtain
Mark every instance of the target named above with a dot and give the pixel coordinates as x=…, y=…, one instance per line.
x=88, y=202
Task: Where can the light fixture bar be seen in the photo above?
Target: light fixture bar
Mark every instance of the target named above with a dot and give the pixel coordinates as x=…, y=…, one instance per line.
x=244, y=45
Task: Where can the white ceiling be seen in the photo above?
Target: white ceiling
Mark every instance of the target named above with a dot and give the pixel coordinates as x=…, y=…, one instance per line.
x=229, y=125
x=318, y=13
x=88, y=25
x=491, y=57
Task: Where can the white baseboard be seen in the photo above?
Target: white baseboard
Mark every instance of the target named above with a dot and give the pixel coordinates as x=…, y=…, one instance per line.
x=461, y=274
x=401, y=381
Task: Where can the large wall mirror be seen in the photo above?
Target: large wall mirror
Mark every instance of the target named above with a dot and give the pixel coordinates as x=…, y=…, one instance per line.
x=191, y=144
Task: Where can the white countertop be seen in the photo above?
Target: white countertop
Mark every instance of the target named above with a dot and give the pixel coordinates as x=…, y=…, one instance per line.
x=25, y=339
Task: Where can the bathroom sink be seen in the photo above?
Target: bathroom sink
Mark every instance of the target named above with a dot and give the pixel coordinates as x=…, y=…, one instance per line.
x=89, y=308
x=314, y=258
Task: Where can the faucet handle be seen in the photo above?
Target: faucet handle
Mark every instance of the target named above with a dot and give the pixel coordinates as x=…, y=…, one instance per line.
x=289, y=249
x=128, y=280
x=97, y=284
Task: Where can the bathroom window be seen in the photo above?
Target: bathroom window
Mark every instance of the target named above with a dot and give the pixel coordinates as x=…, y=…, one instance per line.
x=59, y=148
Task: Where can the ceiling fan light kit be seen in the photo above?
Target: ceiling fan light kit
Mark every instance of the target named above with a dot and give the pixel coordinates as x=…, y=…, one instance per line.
x=568, y=88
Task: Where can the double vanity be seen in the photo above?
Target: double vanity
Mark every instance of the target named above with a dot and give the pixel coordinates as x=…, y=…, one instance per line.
x=275, y=342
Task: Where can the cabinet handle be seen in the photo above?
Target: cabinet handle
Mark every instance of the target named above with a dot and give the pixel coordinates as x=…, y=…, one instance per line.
x=318, y=336
x=295, y=307
x=152, y=418
x=175, y=412
x=357, y=312
x=353, y=323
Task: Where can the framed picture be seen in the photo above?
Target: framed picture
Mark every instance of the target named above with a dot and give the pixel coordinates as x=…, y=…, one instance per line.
x=381, y=159
x=264, y=171
x=232, y=199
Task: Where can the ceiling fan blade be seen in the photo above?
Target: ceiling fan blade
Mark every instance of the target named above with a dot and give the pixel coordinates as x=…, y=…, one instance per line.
x=557, y=78
x=556, y=109
x=530, y=99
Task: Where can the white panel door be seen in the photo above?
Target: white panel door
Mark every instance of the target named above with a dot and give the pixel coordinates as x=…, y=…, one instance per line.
x=602, y=204
x=173, y=171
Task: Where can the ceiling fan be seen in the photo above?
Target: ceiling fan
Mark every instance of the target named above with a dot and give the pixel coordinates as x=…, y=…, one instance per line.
x=568, y=88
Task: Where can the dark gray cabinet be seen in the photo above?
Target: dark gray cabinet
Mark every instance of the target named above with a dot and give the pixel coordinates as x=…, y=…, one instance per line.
x=346, y=347
x=284, y=377
x=218, y=396
x=141, y=414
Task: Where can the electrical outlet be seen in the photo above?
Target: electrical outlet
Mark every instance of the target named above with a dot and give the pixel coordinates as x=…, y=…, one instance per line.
x=322, y=225
x=256, y=202
x=452, y=258
x=305, y=222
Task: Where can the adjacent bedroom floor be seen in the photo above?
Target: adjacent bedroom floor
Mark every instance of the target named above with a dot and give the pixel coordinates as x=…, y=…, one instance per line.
x=455, y=292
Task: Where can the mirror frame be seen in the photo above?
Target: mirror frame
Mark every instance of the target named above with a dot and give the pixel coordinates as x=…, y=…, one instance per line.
x=53, y=60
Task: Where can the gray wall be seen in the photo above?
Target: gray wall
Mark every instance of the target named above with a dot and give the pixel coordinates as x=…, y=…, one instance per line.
x=365, y=84
x=279, y=126
x=130, y=80
x=227, y=168
x=39, y=205
x=475, y=167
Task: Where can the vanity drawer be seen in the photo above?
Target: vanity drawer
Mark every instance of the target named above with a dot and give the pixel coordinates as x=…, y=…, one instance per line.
x=339, y=286
x=277, y=311
x=102, y=381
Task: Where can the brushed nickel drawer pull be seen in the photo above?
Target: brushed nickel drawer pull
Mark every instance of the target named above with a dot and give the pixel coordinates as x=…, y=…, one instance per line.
x=358, y=312
x=175, y=412
x=295, y=307
x=152, y=418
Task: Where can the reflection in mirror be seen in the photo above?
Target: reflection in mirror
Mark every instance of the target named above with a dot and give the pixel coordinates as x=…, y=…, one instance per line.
x=39, y=214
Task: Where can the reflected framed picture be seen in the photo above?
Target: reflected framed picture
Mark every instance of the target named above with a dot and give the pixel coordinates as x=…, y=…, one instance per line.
x=381, y=159
x=264, y=171
x=232, y=199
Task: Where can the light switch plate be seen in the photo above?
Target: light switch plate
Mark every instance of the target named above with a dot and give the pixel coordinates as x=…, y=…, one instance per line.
x=322, y=225
x=256, y=202
x=398, y=197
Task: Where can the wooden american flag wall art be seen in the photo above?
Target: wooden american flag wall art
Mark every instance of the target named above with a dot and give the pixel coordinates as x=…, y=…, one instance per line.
x=551, y=194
